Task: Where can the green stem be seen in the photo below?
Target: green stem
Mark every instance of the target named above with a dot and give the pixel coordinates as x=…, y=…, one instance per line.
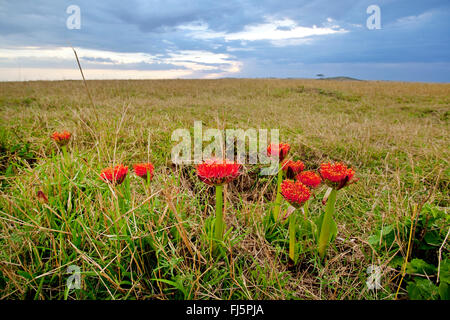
x=306, y=209
x=65, y=155
x=292, y=239
x=324, y=237
x=277, y=207
x=148, y=180
x=218, y=230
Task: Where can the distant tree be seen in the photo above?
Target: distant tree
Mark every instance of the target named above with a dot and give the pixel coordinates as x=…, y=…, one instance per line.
x=320, y=76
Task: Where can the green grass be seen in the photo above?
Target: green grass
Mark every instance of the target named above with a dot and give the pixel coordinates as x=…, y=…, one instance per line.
x=138, y=242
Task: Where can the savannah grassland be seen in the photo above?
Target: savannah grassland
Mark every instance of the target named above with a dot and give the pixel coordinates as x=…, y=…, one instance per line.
x=154, y=244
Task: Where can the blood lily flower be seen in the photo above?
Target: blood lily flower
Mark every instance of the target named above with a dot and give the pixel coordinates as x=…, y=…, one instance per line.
x=114, y=175
x=218, y=172
x=144, y=170
x=336, y=175
x=293, y=168
x=309, y=178
x=61, y=138
x=278, y=150
x=297, y=194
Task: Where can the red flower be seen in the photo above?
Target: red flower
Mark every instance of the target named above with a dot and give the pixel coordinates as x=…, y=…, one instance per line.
x=61, y=138
x=144, y=169
x=42, y=197
x=218, y=172
x=295, y=192
x=281, y=150
x=336, y=175
x=114, y=175
x=292, y=168
x=309, y=178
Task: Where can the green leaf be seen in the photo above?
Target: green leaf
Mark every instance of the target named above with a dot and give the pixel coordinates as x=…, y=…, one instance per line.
x=396, y=262
x=444, y=272
x=318, y=223
x=433, y=238
x=25, y=274
x=421, y=267
x=333, y=229
x=422, y=289
x=385, y=233
x=374, y=239
x=444, y=291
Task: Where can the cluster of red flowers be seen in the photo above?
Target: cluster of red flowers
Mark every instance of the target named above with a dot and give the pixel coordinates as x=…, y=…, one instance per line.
x=296, y=188
x=116, y=175
x=218, y=172
x=61, y=138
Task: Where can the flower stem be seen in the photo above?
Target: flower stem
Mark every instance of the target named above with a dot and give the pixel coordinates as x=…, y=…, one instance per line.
x=306, y=209
x=292, y=239
x=65, y=155
x=147, y=180
x=324, y=237
x=218, y=230
x=276, y=209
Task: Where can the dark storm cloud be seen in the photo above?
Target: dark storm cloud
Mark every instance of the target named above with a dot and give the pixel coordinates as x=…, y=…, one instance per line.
x=414, y=32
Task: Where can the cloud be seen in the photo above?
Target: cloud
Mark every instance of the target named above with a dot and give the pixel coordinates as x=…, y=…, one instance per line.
x=201, y=38
x=278, y=31
x=183, y=62
x=29, y=74
x=414, y=19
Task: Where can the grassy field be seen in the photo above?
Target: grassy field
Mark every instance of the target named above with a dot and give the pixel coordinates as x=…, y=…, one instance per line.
x=154, y=244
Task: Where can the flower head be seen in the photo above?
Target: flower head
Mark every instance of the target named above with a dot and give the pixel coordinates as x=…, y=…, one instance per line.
x=144, y=170
x=61, y=138
x=114, y=175
x=309, y=178
x=292, y=168
x=42, y=197
x=218, y=172
x=278, y=150
x=295, y=192
x=336, y=175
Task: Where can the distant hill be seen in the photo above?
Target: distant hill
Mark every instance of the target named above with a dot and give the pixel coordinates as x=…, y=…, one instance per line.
x=340, y=79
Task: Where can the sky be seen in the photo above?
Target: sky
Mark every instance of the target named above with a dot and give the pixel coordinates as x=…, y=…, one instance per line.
x=169, y=39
